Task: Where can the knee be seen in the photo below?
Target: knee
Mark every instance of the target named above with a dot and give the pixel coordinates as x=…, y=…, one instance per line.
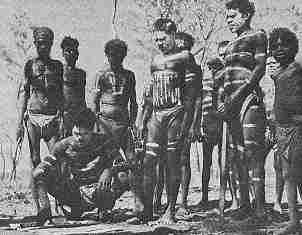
x=38, y=175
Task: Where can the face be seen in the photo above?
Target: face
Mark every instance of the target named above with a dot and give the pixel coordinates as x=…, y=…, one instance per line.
x=271, y=66
x=115, y=59
x=221, y=52
x=164, y=41
x=281, y=51
x=82, y=135
x=43, y=47
x=70, y=55
x=236, y=20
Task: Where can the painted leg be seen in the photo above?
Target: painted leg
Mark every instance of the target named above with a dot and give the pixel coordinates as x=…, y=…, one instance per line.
x=233, y=184
x=149, y=179
x=160, y=177
x=185, y=180
x=294, y=224
x=173, y=182
x=259, y=187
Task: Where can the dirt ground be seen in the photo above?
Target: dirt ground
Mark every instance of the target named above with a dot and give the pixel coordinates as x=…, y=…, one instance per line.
x=16, y=202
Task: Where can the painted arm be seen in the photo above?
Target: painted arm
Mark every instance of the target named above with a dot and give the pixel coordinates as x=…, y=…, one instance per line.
x=258, y=72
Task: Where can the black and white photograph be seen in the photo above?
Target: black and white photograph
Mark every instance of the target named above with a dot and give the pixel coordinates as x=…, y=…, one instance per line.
x=163, y=117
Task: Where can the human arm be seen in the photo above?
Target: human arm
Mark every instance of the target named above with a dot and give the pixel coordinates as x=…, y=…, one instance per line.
x=194, y=89
x=260, y=44
x=146, y=111
x=132, y=99
x=61, y=98
x=23, y=96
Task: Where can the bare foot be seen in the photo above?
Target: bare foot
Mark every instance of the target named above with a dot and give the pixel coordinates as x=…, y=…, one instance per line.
x=235, y=205
x=277, y=207
x=182, y=212
x=290, y=229
x=166, y=219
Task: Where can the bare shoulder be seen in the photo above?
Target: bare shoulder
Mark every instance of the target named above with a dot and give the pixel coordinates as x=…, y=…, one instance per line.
x=260, y=34
x=57, y=63
x=81, y=72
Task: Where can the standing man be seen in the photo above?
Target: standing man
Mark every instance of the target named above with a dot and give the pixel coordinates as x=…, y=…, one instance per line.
x=115, y=97
x=116, y=107
x=41, y=97
x=284, y=46
x=184, y=41
x=163, y=113
x=243, y=107
x=74, y=83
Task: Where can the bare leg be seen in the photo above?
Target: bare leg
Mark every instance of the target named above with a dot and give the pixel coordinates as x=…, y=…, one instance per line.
x=160, y=177
x=185, y=178
x=150, y=162
x=173, y=173
x=34, y=139
x=233, y=184
x=259, y=187
x=291, y=191
x=279, y=184
x=173, y=182
x=207, y=163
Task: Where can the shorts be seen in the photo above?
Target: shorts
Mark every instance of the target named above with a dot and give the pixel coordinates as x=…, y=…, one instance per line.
x=289, y=150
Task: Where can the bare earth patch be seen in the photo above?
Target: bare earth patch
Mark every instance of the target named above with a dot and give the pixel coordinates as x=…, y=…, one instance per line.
x=16, y=202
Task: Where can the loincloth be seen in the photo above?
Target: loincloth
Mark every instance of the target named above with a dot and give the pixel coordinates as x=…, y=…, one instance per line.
x=289, y=149
x=164, y=121
x=118, y=130
x=47, y=124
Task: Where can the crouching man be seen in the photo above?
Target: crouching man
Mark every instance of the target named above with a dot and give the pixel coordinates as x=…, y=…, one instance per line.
x=79, y=172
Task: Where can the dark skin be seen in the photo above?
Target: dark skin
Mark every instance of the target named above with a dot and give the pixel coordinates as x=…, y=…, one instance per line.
x=74, y=87
x=55, y=98
x=283, y=54
x=238, y=24
x=115, y=62
x=166, y=44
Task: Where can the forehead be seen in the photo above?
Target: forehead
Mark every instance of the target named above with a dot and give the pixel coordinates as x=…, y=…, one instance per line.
x=42, y=41
x=77, y=129
x=69, y=48
x=233, y=12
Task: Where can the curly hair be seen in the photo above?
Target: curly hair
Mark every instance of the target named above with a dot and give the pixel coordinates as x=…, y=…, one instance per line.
x=184, y=40
x=165, y=24
x=116, y=47
x=69, y=42
x=223, y=44
x=86, y=119
x=243, y=6
x=285, y=35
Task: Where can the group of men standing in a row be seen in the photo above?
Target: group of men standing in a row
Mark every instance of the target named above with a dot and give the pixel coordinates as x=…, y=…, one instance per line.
x=80, y=171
